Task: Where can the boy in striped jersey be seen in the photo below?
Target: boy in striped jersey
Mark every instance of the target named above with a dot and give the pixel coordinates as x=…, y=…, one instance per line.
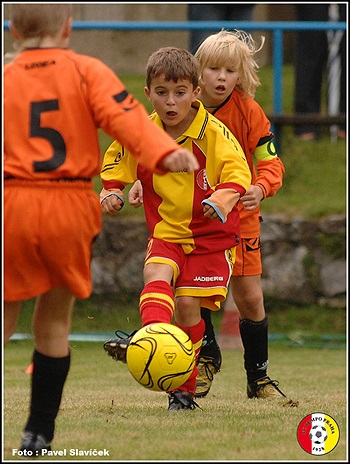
x=192, y=217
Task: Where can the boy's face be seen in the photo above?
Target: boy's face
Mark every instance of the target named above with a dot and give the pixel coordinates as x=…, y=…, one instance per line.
x=172, y=100
x=218, y=83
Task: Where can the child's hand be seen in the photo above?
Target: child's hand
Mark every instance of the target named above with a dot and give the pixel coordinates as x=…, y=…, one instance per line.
x=252, y=198
x=210, y=212
x=136, y=195
x=111, y=201
x=180, y=160
x=220, y=203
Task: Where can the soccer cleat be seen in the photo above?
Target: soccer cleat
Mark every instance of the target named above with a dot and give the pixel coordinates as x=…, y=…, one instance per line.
x=207, y=367
x=181, y=399
x=264, y=388
x=116, y=348
x=35, y=443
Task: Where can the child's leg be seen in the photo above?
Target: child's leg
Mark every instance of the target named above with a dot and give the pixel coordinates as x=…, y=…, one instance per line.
x=48, y=379
x=52, y=322
x=188, y=318
x=156, y=301
x=157, y=297
x=229, y=333
x=210, y=348
x=247, y=292
x=192, y=291
x=11, y=313
x=51, y=359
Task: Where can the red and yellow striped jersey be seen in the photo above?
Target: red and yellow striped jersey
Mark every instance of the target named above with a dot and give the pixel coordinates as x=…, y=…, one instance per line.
x=54, y=102
x=172, y=202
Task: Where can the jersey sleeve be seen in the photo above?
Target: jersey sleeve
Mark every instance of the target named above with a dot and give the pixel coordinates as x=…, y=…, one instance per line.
x=270, y=176
x=119, y=168
x=234, y=170
x=231, y=172
x=269, y=167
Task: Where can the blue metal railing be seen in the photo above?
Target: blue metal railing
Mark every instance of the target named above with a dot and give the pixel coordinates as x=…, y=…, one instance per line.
x=276, y=27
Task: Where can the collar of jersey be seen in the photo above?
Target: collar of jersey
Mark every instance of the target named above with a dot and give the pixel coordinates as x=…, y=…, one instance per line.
x=196, y=129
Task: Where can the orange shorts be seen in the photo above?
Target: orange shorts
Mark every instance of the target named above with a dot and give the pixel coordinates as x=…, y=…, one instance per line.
x=49, y=229
x=200, y=275
x=248, y=257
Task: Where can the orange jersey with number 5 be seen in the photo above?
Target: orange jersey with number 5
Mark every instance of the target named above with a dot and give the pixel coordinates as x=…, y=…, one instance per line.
x=54, y=102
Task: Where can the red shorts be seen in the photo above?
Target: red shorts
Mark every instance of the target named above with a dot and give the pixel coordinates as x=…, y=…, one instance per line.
x=200, y=275
x=49, y=229
x=248, y=257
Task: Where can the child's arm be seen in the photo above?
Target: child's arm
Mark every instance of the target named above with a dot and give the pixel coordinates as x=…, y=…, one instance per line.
x=118, y=170
x=179, y=160
x=270, y=175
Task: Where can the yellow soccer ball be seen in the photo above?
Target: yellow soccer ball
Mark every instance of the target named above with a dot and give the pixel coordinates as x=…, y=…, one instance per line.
x=160, y=357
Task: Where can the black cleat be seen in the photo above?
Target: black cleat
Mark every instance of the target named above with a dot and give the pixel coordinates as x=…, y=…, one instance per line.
x=34, y=443
x=116, y=348
x=181, y=399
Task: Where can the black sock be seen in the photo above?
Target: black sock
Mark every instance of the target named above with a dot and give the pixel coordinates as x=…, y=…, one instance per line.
x=255, y=341
x=48, y=379
x=210, y=346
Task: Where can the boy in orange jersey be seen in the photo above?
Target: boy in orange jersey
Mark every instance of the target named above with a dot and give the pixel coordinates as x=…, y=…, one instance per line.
x=228, y=80
x=54, y=102
x=192, y=217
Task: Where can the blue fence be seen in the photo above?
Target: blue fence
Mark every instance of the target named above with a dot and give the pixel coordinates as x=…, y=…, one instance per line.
x=277, y=28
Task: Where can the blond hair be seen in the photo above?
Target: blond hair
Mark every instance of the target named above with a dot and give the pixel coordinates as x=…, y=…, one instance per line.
x=175, y=63
x=36, y=21
x=232, y=50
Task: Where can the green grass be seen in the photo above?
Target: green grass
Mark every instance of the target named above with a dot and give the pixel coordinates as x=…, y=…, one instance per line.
x=315, y=181
x=104, y=408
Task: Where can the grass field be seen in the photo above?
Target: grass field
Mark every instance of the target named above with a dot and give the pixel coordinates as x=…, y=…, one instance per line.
x=104, y=408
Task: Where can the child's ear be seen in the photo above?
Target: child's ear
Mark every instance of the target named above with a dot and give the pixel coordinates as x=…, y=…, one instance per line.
x=13, y=31
x=196, y=92
x=148, y=93
x=67, y=28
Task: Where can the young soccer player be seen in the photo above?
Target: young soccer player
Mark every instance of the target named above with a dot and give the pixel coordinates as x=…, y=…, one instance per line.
x=192, y=217
x=228, y=81
x=54, y=101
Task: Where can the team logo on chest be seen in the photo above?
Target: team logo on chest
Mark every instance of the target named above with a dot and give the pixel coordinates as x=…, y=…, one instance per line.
x=202, y=180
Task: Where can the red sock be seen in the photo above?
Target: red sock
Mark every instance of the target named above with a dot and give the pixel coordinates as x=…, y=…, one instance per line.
x=157, y=303
x=195, y=333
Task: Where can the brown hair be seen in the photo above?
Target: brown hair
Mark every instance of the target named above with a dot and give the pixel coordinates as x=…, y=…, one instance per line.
x=175, y=63
x=39, y=20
